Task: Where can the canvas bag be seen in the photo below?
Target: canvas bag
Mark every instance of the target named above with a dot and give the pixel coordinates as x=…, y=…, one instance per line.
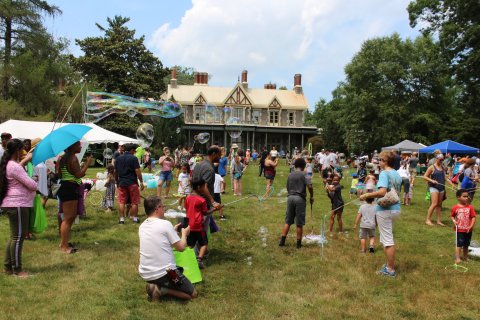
x=391, y=197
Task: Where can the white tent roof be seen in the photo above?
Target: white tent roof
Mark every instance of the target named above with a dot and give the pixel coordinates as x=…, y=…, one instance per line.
x=35, y=129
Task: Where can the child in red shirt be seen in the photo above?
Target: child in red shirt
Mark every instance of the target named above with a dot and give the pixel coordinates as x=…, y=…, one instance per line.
x=463, y=216
x=196, y=207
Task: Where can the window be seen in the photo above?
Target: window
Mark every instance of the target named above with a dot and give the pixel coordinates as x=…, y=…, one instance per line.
x=274, y=118
x=199, y=115
x=290, y=118
x=256, y=116
x=238, y=112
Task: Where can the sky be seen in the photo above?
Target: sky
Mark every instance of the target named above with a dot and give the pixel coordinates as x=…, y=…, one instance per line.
x=272, y=39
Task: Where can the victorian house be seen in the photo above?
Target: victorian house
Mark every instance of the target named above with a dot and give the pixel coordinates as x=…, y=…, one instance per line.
x=269, y=117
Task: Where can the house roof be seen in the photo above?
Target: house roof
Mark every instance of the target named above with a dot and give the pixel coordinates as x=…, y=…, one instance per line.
x=260, y=98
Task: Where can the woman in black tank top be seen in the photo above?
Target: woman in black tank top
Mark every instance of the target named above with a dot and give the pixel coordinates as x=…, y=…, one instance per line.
x=436, y=177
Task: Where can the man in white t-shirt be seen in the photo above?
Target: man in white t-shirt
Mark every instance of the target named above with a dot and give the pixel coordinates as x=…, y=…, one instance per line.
x=157, y=262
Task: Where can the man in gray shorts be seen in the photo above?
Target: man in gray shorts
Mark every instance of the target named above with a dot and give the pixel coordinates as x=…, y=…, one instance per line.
x=297, y=184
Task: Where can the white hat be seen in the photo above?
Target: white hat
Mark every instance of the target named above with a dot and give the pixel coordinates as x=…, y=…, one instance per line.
x=234, y=146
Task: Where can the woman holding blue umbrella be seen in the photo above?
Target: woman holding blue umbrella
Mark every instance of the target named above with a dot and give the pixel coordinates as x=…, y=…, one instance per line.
x=71, y=177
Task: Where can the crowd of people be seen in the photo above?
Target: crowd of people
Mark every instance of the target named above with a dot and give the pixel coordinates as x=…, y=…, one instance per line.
x=378, y=180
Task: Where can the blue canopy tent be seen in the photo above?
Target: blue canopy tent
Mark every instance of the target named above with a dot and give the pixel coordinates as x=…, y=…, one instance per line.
x=450, y=146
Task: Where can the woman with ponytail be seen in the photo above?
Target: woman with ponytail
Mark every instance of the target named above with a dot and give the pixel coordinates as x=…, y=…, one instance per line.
x=17, y=191
x=71, y=174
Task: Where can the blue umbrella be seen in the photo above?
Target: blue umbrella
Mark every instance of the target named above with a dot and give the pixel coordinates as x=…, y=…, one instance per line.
x=57, y=141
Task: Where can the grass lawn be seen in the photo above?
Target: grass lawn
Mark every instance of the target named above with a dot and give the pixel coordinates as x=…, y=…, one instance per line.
x=101, y=281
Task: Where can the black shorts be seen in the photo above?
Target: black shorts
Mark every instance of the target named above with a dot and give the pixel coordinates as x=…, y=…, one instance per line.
x=68, y=191
x=195, y=237
x=184, y=285
x=217, y=198
x=325, y=173
x=269, y=176
x=463, y=239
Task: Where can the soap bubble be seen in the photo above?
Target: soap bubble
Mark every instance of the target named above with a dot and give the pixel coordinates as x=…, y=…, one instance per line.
x=227, y=111
x=107, y=153
x=202, y=137
x=211, y=113
x=171, y=110
x=131, y=113
x=233, y=127
x=145, y=135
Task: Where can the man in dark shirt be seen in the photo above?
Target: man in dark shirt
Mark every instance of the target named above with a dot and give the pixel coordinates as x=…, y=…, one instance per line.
x=205, y=170
x=118, y=152
x=398, y=159
x=263, y=156
x=297, y=184
x=127, y=174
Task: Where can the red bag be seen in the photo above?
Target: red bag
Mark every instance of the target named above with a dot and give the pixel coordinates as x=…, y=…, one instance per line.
x=455, y=178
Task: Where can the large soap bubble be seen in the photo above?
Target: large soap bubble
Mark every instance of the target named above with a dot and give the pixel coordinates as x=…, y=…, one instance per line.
x=211, y=113
x=233, y=127
x=227, y=112
x=202, y=137
x=108, y=153
x=145, y=135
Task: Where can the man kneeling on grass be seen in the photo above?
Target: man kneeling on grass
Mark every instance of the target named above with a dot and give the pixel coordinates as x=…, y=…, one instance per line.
x=297, y=184
x=157, y=262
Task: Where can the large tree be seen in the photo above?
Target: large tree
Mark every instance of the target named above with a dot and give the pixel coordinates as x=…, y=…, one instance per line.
x=394, y=89
x=19, y=20
x=457, y=25
x=118, y=62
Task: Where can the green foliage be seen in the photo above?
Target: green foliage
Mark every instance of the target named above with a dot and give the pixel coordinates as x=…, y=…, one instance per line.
x=184, y=76
x=394, y=90
x=457, y=25
x=20, y=22
x=120, y=63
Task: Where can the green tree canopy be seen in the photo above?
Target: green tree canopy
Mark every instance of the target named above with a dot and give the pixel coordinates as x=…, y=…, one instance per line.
x=120, y=63
x=394, y=89
x=457, y=25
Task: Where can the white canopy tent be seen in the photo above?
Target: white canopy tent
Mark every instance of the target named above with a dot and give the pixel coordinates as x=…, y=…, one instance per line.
x=33, y=129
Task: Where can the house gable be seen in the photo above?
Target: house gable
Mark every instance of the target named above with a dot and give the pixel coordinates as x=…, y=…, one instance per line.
x=200, y=100
x=238, y=97
x=275, y=104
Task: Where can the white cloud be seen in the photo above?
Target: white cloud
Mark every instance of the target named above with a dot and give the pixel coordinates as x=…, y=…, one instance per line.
x=273, y=40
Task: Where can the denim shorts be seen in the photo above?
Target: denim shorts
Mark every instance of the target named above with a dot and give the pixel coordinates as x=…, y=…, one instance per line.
x=463, y=239
x=433, y=190
x=166, y=176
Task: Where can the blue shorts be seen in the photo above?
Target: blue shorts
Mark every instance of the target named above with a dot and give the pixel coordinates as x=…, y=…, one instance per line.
x=165, y=176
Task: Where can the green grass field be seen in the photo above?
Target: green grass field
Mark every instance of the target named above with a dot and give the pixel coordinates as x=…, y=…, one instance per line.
x=101, y=280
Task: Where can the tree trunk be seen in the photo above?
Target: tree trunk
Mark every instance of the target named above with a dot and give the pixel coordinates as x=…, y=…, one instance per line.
x=6, y=61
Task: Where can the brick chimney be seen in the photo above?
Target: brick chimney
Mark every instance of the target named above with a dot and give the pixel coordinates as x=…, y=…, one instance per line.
x=173, y=80
x=270, y=86
x=196, y=78
x=245, y=79
x=205, y=78
x=297, y=84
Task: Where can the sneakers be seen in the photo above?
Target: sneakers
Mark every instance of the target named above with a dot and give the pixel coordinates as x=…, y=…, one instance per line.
x=223, y=218
x=384, y=272
x=282, y=242
x=371, y=250
x=136, y=220
x=121, y=222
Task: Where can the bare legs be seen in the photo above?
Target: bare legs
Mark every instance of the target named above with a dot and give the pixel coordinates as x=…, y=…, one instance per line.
x=69, y=213
x=339, y=220
x=436, y=199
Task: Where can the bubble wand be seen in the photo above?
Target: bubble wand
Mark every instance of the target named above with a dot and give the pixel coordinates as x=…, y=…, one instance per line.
x=456, y=266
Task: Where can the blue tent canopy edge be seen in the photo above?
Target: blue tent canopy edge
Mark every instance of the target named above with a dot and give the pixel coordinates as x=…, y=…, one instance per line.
x=451, y=147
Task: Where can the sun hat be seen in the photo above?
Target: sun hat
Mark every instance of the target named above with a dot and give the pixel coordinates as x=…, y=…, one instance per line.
x=234, y=146
x=34, y=143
